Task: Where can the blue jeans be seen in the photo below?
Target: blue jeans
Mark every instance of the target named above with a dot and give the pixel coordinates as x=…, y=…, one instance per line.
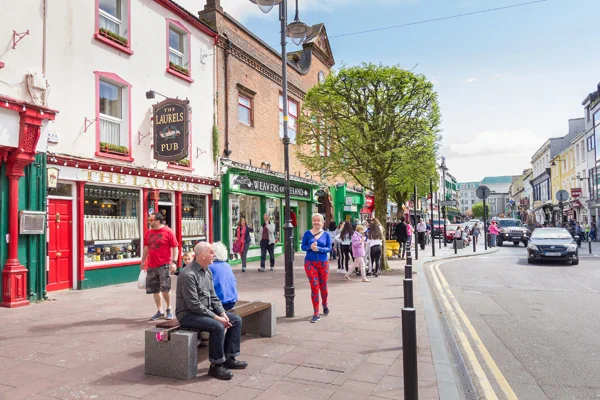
x=493, y=240
x=221, y=346
x=228, y=306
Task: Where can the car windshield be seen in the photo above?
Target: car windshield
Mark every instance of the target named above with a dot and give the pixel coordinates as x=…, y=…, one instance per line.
x=451, y=227
x=438, y=222
x=546, y=234
x=509, y=222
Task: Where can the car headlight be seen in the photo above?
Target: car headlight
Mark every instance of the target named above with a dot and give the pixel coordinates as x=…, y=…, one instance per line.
x=533, y=247
x=572, y=247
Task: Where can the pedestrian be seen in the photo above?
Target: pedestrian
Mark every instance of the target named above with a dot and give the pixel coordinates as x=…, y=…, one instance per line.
x=242, y=241
x=317, y=245
x=493, y=234
x=267, y=243
x=198, y=307
x=223, y=277
x=593, y=231
x=344, y=239
x=160, y=255
x=409, y=233
x=355, y=223
x=421, y=232
x=586, y=229
x=358, y=250
x=401, y=237
x=579, y=233
x=476, y=232
x=338, y=247
x=375, y=241
x=333, y=233
x=187, y=260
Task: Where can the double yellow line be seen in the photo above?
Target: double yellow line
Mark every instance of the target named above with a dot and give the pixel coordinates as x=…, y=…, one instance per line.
x=458, y=318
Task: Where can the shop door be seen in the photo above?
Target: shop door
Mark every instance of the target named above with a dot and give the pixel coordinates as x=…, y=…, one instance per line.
x=60, y=248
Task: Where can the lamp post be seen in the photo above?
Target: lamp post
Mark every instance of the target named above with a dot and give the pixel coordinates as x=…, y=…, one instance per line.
x=297, y=31
x=553, y=164
x=444, y=169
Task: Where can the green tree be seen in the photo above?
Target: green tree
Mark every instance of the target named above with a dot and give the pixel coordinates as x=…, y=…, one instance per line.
x=368, y=124
x=477, y=210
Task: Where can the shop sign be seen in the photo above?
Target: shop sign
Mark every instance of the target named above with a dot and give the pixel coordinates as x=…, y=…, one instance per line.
x=576, y=192
x=258, y=185
x=170, y=130
x=349, y=201
x=350, y=208
x=369, y=201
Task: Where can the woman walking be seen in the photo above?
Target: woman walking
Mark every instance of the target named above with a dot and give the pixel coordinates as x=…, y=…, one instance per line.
x=375, y=240
x=344, y=239
x=317, y=244
x=476, y=233
x=493, y=234
x=358, y=249
x=409, y=232
x=243, y=240
x=333, y=233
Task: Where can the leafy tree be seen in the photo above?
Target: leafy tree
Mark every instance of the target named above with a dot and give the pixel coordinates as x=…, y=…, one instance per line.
x=477, y=210
x=368, y=124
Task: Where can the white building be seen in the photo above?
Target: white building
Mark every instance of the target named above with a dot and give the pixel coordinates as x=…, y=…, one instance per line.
x=591, y=106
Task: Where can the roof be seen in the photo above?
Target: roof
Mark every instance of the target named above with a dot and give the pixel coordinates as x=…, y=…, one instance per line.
x=497, y=180
x=191, y=18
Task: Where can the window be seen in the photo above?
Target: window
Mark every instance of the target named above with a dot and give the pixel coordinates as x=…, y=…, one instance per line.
x=582, y=152
x=577, y=153
x=245, y=115
x=292, y=118
x=273, y=208
x=247, y=207
x=178, y=50
x=597, y=118
x=113, y=24
x=113, y=125
x=193, y=224
x=111, y=224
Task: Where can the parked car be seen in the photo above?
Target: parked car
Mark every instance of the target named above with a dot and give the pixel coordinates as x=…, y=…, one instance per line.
x=512, y=230
x=450, y=229
x=554, y=244
x=438, y=227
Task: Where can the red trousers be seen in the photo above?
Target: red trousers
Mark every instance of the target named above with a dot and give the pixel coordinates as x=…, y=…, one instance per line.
x=318, y=274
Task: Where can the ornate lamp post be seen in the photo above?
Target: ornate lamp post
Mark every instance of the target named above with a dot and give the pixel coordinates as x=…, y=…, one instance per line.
x=297, y=31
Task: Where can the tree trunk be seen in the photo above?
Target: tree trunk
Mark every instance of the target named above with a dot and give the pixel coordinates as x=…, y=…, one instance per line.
x=381, y=200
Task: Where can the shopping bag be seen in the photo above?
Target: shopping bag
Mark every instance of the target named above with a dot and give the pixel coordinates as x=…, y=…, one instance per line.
x=142, y=280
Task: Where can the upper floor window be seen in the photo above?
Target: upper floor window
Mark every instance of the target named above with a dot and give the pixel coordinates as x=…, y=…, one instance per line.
x=179, y=50
x=577, y=153
x=245, y=110
x=293, y=109
x=113, y=124
x=582, y=152
x=113, y=24
x=597, y=118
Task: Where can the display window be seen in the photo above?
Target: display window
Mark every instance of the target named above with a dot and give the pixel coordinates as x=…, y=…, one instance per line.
x=111, y=224
x=193, y=224
x=273, y=207
x=248, y=207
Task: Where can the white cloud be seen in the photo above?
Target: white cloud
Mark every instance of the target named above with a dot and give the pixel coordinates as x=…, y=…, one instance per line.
x=470, y=80
x=492, y=143
x=434, y=80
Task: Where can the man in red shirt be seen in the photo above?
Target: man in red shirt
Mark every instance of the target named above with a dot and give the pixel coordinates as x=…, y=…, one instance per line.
x=161, y=251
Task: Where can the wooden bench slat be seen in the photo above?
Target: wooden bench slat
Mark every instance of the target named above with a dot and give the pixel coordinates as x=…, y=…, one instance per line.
x=251, y=309
x=240, y=305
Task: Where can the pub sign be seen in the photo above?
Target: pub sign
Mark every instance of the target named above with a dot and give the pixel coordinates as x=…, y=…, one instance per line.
x=171, y=136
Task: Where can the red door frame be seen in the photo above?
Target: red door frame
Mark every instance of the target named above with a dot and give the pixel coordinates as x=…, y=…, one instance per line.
x=55, y=247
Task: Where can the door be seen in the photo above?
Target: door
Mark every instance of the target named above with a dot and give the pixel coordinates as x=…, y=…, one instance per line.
x=60, y=246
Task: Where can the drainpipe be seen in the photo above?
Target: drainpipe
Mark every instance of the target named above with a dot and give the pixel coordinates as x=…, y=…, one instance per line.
x=227, y=152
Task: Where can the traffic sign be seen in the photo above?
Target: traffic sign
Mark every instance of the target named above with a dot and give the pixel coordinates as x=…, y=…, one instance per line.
x=449, y=203
x=483, y=192
x=562, y=195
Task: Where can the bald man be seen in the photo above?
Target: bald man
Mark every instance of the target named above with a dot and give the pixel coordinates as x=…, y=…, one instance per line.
x=198, y=307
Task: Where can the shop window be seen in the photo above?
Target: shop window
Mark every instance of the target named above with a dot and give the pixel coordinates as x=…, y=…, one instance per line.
x=112, y=24
x=61, y=190
x=247, y=207
x=245, y=115
x=193, y=224
x=178, y=50
x=293, y=108
x=111, y=224
x=113, y=124
x=274, y=210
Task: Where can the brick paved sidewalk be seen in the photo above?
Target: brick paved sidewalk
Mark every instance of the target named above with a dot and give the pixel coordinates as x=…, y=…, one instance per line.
x=90, y=345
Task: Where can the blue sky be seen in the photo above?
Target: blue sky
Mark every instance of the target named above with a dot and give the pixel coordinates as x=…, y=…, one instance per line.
x=506, y=80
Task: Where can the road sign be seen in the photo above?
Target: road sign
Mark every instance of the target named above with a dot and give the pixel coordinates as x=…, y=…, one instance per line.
x=450, y=203
x=562, y=195
x=483, y=192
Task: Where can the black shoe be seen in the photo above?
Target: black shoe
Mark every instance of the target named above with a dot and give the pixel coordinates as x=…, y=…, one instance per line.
x=326, y=310
x=369, y=274
x=232, y=363
x=261, y=270
x=243, y=269
x=220, y=372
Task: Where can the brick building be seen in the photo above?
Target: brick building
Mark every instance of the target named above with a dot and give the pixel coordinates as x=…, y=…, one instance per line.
x=249, y=119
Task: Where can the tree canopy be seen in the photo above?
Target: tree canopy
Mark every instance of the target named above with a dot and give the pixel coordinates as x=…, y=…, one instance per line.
x=477, y=210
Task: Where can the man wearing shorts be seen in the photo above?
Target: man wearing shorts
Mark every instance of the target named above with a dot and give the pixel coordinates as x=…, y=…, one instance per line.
x=161, y=252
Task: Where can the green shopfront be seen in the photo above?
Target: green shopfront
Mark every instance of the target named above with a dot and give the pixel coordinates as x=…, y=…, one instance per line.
x=348, y=201
x=249, y=192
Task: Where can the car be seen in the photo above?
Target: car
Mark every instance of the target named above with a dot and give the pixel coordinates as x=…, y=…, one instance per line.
x=512, y=230
x=554, y=244
x=450, y=230
x=438, y=227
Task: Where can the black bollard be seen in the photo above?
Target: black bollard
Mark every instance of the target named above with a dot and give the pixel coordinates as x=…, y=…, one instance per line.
x=408, y=293
x=409, y=350
x=474, y=244
x=590, y=243
x=454, y=245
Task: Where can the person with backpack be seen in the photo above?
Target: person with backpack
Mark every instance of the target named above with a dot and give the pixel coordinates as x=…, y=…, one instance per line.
x=344, y=238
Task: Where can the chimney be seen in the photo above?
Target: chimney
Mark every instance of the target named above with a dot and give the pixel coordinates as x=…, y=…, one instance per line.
x=212, y=5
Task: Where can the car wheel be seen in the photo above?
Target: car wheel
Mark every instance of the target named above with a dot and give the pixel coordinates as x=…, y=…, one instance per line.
x=575, y=262
x=525, y=243
x=530, y=261
x=516, y=243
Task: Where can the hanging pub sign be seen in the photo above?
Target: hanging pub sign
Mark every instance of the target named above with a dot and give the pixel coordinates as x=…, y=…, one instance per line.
x=171, y=136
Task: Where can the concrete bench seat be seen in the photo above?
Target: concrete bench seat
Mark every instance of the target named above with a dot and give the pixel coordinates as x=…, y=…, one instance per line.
x=172, y=351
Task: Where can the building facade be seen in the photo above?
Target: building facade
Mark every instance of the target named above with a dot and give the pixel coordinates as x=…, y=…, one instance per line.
x=591, y=106
x=467, y=196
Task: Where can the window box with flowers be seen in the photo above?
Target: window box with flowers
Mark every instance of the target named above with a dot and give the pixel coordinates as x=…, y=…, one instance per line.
x=181, y=164
x=114, y=149
x=114, y=37
x=179, y=69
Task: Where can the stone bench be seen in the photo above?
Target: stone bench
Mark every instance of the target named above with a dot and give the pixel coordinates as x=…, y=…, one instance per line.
x=172, y=351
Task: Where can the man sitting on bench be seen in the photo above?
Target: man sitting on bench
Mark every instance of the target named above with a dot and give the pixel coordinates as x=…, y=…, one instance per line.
x=198, y=307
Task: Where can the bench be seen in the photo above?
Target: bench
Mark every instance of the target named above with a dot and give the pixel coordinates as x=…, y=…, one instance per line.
x=172, y=351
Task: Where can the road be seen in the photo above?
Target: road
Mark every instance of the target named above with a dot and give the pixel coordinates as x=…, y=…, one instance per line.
x=525, y=331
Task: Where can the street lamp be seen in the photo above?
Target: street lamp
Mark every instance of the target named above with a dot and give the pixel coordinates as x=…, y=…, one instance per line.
x=553, y=164
x=297, y=31
x=444, y=169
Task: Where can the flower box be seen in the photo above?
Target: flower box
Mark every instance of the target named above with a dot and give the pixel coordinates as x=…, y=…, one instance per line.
x=179, y=68
x=114, y=149
x=114, y=37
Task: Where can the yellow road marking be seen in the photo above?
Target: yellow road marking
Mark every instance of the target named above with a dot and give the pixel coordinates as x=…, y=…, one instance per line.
x=488, y=391
x=487, y=358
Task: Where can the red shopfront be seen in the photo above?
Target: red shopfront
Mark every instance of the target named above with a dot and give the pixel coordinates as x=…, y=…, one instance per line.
x=368, y=211
x=103, y=209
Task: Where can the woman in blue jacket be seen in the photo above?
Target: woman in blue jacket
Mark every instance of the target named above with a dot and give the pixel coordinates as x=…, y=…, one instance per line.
x=317, y=244
x=223, y=277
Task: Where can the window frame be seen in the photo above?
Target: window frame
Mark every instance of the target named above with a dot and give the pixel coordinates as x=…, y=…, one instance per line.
x=125, y=113
x=250, y=109
x=186, y=35
x=290, y=116
x=125, y=19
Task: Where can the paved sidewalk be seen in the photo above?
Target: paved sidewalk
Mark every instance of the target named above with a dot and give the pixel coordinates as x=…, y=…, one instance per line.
x=90, y=345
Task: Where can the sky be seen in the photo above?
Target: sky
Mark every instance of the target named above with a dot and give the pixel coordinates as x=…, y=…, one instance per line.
x=507, y=80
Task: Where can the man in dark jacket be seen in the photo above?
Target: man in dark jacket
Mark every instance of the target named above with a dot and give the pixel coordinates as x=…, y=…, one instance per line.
x=199, y=307
x=402, y=236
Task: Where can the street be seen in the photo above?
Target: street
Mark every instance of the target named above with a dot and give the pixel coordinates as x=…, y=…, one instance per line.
x=525, y=331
